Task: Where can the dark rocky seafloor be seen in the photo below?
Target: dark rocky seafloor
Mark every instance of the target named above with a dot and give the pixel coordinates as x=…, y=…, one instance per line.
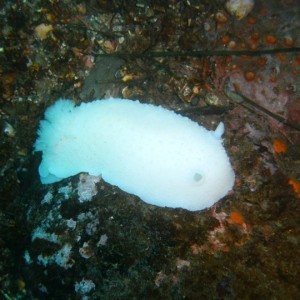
x=83, y=238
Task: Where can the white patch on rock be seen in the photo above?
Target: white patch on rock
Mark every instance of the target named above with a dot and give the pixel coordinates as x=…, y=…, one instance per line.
x=87, y=187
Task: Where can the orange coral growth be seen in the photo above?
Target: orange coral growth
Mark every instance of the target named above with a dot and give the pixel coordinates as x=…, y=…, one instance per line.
x=254, y=36
x=221, y=237
x=297, y=60
x=273, y=79
x=279, y=146
x=281, y=57
x=253, y=40
x=263, y=12
x=249, y=75
x=296, y=72
x=236, y=218
x=8, y=81
x=246, y=57
x=221, y=18
x=225, y=39
x=289, y=2
x=262, y=61
x=270, y=39
x=295, y=185
x=251, y=20
x=243, y=45
x=237, y=87
x=289, y=42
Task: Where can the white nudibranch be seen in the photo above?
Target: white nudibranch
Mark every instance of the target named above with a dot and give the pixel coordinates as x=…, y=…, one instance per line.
x=162, y=157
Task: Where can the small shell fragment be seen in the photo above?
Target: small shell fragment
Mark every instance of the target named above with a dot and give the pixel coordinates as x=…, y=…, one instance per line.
x=239, y=8
x=41, y=31
x=8, y=129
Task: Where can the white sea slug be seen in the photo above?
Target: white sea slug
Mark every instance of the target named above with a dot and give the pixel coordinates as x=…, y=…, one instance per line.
x=154, y=153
